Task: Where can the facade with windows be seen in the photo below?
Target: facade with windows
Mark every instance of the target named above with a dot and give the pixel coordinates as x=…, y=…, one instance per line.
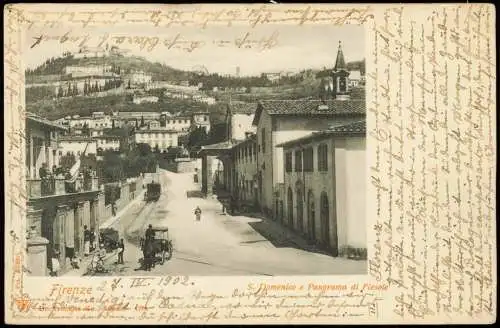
x=325, y=187
x=201, y=119
x=158, y=137
x=105, y=142
x=244, y=184
x=278, y=121
x=57, y=211
x=76, y=145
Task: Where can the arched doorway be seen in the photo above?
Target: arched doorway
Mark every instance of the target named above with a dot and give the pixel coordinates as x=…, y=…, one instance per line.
x=330, y=243
x=290, y=207
x=311, y=216
x=300, y=208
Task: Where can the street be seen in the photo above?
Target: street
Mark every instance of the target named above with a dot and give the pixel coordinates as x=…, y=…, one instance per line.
x=218, y=244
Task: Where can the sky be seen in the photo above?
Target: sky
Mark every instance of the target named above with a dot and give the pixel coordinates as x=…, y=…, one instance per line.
x=297, y=48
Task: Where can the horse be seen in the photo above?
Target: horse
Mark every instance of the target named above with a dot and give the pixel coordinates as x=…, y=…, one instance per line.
x=148, y=252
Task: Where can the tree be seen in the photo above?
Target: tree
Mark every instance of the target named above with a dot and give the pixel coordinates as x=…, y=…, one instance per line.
x=198, y=137
x=60, y=92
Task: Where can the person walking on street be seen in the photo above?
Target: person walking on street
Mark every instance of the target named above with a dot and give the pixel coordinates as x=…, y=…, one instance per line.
x=197, y=212
x=55, y=264
x=113, y=208
x=150, y=234
x=93, y=243
x=86, y=241
x=121, y=250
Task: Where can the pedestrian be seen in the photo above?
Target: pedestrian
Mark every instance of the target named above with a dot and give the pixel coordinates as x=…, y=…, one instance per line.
x=113, y=208
x=150, y=234
x=55, y=264
x=93, y=242
x=43, y=172
x=197, y=212
x=121, y=250
x=86, y=241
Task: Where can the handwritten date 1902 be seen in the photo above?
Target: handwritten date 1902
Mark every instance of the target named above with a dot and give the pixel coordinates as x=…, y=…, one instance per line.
x=172, y=281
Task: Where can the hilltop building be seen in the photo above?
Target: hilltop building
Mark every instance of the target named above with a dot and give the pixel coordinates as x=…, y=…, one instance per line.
x=87, y=70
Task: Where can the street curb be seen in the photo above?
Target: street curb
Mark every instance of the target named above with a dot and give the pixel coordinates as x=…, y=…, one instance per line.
x=113, y=219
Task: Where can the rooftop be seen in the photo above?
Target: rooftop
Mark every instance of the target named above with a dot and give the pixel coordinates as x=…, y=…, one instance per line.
x=352, y=129
x=40, y=120
x=156, y=131
x=75, y=138
x=330, y=107
x=243, y=108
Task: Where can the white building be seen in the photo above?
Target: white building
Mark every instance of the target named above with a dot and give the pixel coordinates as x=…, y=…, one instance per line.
x=87, y=70
x=144, y=99
x=138, y=78
x=76, y=145
x=163, y=138
x=324, y=190
x=201, y=119
x=105, y=142
x=91, y=52
x=354, y=78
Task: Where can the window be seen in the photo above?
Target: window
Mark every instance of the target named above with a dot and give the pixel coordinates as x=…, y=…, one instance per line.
x=263, y=140
x=298, y=161
x=323, y=157
x=288, y=162
x=308, y=160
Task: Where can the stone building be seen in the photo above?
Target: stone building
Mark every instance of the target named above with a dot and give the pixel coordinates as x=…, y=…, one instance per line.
x=278, y=121
x=323, y=195
x=157, y=136
x=201, y=119
x=55, y=214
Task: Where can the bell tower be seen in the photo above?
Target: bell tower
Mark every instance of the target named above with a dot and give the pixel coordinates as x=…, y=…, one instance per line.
x=340, y=75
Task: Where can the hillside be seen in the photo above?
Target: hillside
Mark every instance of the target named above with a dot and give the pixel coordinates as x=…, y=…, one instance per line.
x=54, y=67
x=41, y=98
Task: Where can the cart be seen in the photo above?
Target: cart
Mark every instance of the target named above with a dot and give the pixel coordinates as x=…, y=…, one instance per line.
x=109, y=237
x=153, y=192
x=162, y=245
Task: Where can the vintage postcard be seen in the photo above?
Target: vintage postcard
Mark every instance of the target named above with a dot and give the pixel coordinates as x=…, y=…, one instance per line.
x=250, y=164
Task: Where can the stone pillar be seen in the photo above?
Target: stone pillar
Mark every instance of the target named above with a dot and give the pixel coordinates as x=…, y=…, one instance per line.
x=204, y=174
x=94, y=203
x=32, y=159
x=69, y=231
x=37, y=255
x=34, y=220
x=60, y=233
x=79, y=228
x=86, y=214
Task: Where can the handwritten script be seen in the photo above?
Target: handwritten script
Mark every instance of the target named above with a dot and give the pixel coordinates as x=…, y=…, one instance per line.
x=433, y=160
x=159, y=304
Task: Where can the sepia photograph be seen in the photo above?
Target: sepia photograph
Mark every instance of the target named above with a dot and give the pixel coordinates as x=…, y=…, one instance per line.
x=250, y=163
x=222, y=161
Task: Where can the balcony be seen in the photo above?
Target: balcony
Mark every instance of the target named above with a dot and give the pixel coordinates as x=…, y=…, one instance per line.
x=37, y=188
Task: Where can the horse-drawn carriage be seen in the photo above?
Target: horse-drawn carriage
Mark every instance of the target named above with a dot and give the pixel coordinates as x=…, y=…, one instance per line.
x=153, y=191
x=157, y=248
x=110, y=238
